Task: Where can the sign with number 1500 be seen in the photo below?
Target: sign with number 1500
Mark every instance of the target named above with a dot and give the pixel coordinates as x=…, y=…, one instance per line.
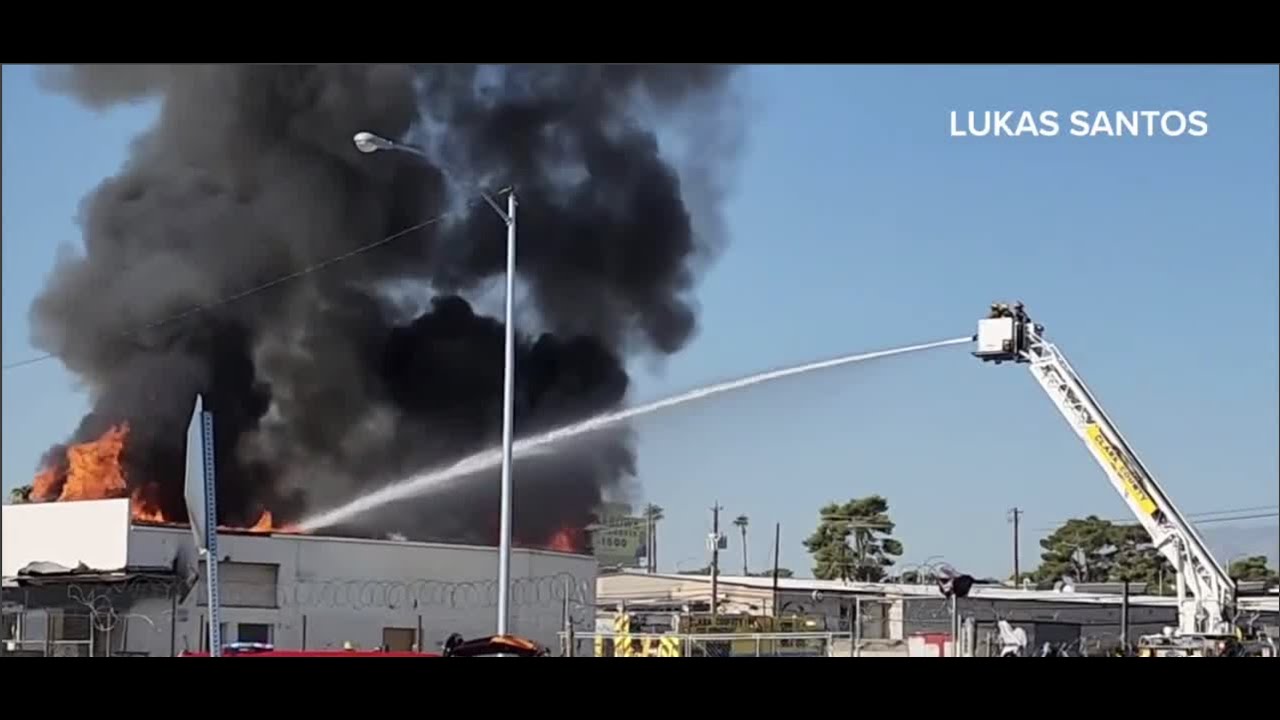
x=622, y=542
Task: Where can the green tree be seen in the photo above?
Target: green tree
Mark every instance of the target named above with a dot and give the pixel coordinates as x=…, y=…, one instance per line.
x=852, y=541
x=1137, y=560
x=1094, y=550
x=20, y=494
x=1251, y=569
x=741, y=522
x=1083, y=549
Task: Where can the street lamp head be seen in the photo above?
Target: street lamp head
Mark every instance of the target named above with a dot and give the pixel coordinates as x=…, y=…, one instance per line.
x=367, y=142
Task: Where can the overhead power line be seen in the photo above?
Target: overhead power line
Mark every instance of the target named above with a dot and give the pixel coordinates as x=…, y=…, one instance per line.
x=264, y=286
x=1231, y=519
x=1198, y=518
x=1255, y=508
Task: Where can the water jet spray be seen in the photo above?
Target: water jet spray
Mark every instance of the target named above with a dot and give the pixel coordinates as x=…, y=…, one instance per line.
x=439, y=479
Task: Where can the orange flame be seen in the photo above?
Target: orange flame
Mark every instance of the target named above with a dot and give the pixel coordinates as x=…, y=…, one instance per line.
x=566, y=539
x=45, y=487
x=144, y=505
x=94, y=472
x=263, y=524
x=266, y=523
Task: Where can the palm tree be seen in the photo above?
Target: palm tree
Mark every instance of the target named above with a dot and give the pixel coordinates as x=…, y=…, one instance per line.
x=653, y=513
x=20, y=494
x=742, y=521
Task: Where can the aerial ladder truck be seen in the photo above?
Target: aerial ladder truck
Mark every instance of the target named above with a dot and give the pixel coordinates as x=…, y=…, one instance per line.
x=1205, y=592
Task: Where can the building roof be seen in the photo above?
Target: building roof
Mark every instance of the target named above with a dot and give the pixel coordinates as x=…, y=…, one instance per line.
x=99, y=535
x=1260, y=603
x=984, y=592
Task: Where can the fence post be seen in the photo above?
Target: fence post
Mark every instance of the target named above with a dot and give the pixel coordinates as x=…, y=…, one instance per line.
x=955, y=629
x=856, y=641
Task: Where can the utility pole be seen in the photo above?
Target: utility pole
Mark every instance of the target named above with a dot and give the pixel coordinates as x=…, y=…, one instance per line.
x=1017, y=577
x=777, y=545
x=715, y=557
x=1124, y=615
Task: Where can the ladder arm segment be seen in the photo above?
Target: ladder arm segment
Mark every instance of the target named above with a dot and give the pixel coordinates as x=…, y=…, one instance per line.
x=1205, y=591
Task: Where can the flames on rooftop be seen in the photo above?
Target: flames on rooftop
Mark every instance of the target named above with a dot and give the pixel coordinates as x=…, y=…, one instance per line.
x=93, y=471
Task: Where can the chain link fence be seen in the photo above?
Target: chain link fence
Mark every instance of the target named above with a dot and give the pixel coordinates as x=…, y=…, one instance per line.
x=934, y=627
x=50, y=634
x=877, y=628
x=971, y=627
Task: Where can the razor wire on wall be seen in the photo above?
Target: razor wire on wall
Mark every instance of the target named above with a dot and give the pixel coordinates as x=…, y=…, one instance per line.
x=99, y=604
x=155, y=612
x=356, y=594
x=541, y=591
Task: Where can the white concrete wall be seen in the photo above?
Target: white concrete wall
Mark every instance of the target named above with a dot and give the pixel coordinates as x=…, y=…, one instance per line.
x=333, y=590
x=881, y=618
x=627, y=587
x=93, y=532
x=146, y=627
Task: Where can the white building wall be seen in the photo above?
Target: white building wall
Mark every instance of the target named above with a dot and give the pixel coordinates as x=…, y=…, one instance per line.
x=309, y=591
x=38, y=532
x=146, y=628
x=331, y=591
x=881, y=617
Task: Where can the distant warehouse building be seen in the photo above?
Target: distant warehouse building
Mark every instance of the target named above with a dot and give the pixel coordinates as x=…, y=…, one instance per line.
x=81, y=578
x=892, y=618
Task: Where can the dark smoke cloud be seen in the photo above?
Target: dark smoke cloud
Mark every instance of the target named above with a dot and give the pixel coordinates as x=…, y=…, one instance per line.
x=364, y=372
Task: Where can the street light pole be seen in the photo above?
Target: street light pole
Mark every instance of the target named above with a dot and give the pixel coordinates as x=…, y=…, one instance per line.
x=367, y=142
x=508, y=412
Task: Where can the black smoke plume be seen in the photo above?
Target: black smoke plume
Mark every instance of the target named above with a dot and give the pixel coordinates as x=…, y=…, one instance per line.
x=365, y=371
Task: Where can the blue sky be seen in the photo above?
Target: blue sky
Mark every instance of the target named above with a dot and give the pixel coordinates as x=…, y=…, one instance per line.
x=857, y=223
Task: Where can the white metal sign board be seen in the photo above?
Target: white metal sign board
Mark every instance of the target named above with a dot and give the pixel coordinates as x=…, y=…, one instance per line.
x=199, y=491
x=193, y=485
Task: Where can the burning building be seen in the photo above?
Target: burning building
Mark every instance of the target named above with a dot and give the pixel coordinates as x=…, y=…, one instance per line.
x=93, y=470
x=85, y=579
x=354, y=374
